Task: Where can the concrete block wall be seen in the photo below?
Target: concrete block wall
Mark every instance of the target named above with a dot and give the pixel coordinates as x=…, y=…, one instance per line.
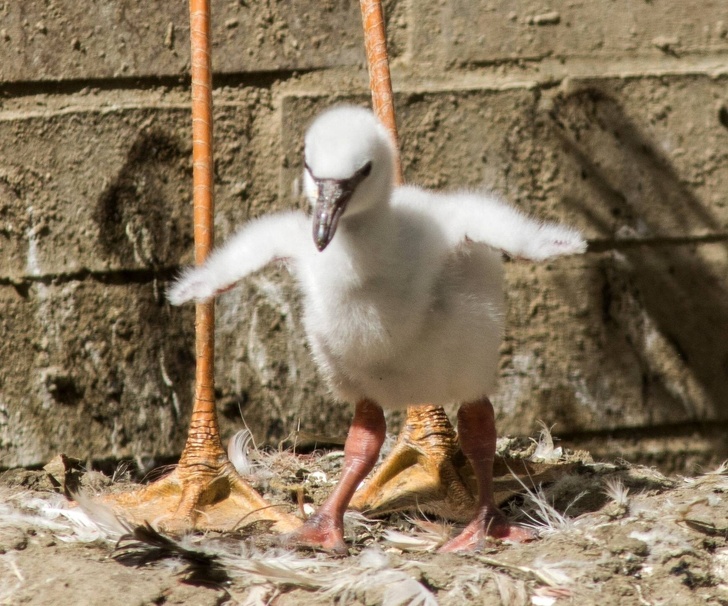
x=610, y=116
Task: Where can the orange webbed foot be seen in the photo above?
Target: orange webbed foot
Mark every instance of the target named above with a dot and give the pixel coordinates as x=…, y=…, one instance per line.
x=194, y=497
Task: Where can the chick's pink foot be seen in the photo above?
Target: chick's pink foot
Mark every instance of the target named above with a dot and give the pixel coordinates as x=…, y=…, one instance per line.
x=325, y=528
x=475, y=534
x=476, y=425
x=319, y=531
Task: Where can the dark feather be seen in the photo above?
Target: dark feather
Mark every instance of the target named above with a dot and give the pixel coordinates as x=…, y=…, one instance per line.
x=145, y=545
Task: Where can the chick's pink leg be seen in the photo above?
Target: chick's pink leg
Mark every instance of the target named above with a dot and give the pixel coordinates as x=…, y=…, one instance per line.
x=477, y=435
x=325, y=528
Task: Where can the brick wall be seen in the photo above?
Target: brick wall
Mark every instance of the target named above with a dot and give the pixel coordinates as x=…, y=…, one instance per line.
x=611, y=116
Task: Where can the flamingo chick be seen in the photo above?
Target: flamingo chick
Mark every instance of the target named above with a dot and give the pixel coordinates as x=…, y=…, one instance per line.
x=403, y=300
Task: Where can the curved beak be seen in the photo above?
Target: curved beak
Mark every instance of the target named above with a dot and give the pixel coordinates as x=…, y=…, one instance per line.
x=332, y=196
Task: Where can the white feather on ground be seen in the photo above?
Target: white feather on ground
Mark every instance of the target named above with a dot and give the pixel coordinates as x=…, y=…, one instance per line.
x=86, y=524
x=237, y=452
x=546, y=451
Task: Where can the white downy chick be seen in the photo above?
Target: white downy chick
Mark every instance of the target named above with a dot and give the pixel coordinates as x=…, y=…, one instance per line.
x=403, y=296
x=403, y=301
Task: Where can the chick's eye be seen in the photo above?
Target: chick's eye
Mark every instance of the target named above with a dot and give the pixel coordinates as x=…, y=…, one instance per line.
x=366, y=169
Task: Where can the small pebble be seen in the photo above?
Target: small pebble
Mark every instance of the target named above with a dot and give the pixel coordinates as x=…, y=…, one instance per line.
x=550, y=18
x=169, y=36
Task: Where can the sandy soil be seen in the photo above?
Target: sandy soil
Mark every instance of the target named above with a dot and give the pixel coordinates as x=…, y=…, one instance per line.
x=611, y=534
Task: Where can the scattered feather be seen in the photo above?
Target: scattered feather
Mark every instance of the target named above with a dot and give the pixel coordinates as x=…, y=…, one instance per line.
x=542, y=575
x=406, y=591
x=618, y=495
x=102, y=517
x=553, y=592
x=543, y=516
x=237, y=451
x=617, y=492
x=40, y=513
x=468, y=584
x=409, y=541
x=259, y=575
x=721, y=470
x=399, y=588
x=555, y=572
x=720, y=565
x=331, y=578
x=278, y=568
x=426, y=537
x=356, y=524
x=144, y=545
x=122, y=473
x=89, y=522
x=512, y=592
x=546, y=451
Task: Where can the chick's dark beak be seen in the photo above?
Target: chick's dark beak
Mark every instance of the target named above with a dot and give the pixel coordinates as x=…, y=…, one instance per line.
x=332, y=196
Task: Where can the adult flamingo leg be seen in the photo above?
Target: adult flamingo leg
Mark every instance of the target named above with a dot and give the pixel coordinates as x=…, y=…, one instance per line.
x=421, y=471
x=204, y=491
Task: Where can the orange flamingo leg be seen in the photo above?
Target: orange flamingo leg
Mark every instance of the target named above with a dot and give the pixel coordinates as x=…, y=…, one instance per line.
x=204, y=492
x=424, y=471
x=427, y=472
x=477, y=435
x=325, y=528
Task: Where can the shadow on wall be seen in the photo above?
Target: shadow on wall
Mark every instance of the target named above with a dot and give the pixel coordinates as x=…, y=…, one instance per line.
x=145, y=226
x=662, y=296
x=140, y=215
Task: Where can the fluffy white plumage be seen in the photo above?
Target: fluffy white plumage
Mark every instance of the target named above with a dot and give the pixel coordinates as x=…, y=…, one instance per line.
x=405, y=304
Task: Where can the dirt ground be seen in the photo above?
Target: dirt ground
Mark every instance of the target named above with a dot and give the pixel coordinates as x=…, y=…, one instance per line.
x=610, y=534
